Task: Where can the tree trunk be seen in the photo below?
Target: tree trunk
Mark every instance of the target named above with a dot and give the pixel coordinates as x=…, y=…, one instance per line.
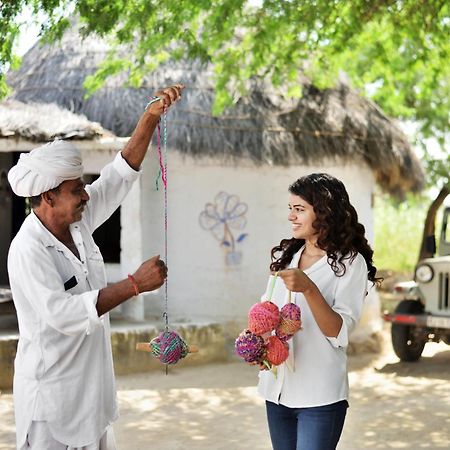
x=429, y=228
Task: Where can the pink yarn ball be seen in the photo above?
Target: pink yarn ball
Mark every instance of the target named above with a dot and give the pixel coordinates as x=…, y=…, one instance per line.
x=169, y=347
x=290, y=321
x=263, y=317
x=276, y=351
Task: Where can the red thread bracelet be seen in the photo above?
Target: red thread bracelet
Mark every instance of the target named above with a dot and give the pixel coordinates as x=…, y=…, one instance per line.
x=133, y=282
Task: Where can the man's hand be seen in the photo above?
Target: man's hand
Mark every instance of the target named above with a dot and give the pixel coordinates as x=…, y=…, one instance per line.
x=167, y=96
x=151, y=274
x=148, y=277
x=296, y=280
x=136, y=148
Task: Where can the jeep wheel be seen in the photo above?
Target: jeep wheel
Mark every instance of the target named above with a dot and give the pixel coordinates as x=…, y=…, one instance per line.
x=407, y=346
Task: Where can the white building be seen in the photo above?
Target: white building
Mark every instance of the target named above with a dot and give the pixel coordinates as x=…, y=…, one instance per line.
x=227, y=176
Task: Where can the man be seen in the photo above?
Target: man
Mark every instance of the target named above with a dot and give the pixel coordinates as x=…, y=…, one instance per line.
x=64, y=391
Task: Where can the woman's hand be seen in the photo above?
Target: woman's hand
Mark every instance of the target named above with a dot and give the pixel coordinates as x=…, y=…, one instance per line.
x=328, y=320
x=296, y=281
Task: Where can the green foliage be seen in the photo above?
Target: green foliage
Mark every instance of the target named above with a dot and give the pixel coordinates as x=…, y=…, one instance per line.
x=397, y=51
x=399, y=46
x=9, y=32
x=398, y=233
x=439, y=170
x=109, y=68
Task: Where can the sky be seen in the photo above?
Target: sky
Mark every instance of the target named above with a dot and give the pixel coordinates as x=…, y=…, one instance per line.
x=28, y=34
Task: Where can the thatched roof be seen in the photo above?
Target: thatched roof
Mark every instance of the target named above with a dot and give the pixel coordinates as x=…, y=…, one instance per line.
x=43, y=122
x=264, y=126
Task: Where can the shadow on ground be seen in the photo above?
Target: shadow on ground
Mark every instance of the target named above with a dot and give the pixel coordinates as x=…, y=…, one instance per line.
x=436, y=366
x=215, y=407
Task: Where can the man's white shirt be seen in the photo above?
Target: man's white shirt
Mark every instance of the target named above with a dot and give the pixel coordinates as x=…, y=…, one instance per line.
x=63, y=367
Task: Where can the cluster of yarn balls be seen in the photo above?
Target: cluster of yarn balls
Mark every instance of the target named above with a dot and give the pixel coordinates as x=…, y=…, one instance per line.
x=169, y=347
x=264, y=318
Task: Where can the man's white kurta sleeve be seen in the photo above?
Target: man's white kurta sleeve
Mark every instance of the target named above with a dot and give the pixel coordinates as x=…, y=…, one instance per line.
x=349, y=298
x=70, y=314
x=108, y=191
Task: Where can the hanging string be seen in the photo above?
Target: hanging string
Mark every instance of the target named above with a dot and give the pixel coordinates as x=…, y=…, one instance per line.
x=163, y=175
x=162, y=163
x=158, y=146
x=158, y=140
x=163, y=168
x=168, y=347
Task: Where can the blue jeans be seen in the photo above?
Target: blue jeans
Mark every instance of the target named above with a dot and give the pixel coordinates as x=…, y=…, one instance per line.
x=317, y=428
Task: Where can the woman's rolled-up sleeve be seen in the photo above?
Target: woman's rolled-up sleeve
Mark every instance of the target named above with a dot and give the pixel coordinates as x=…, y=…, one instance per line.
x=349, y=299
x=43, y=287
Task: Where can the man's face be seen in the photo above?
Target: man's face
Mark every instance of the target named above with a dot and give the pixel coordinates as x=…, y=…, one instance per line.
x=70, y=200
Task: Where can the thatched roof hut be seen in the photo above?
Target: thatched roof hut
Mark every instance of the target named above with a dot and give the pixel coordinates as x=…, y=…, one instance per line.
x=44, y=122
x=263, y=126
x=23, y=126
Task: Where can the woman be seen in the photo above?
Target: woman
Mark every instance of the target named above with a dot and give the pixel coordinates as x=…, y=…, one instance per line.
x=326, y=266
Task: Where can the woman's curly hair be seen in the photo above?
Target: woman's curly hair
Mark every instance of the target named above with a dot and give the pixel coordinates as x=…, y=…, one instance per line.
x=339, y=232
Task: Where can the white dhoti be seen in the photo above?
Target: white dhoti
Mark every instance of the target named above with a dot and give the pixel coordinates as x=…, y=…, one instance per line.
x=40, y=438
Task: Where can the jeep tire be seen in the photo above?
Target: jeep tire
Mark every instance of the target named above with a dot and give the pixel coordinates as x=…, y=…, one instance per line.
x=407, y=346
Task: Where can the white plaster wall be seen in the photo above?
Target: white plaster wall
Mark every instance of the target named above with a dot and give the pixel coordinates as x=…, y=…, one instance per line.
x=132, y=234
x=95, y=159
x=201, y=285
x=142, y=221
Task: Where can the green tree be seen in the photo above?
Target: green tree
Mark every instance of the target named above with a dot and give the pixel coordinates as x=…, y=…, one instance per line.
x=399, y=48
x=395, y=51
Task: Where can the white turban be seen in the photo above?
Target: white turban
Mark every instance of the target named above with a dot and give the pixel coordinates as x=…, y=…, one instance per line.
x=45, y=168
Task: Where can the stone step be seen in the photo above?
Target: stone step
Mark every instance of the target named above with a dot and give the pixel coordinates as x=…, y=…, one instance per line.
x=214, y=342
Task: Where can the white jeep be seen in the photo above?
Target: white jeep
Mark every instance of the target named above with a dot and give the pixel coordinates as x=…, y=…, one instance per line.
x=424, y=313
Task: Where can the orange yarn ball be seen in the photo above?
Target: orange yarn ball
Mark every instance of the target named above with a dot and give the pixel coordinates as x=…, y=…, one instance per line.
x=263, y=317
x=276, y=351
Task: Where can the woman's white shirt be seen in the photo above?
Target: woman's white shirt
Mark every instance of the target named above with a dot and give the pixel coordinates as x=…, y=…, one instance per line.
x=316, y=371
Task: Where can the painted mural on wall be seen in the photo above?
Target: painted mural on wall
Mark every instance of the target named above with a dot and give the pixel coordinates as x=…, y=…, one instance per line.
x=225, y=219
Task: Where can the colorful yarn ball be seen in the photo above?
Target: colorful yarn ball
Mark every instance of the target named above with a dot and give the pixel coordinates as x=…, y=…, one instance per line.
x=277, y=351
x=290, y=321
x=263, y=317
x=250, y=346
x=168, y=347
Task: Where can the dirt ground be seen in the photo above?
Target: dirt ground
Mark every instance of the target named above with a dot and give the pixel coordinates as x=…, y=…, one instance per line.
x=393, y=405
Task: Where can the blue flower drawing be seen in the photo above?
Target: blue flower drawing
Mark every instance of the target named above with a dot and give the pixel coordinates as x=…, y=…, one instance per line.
x=227, y=213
